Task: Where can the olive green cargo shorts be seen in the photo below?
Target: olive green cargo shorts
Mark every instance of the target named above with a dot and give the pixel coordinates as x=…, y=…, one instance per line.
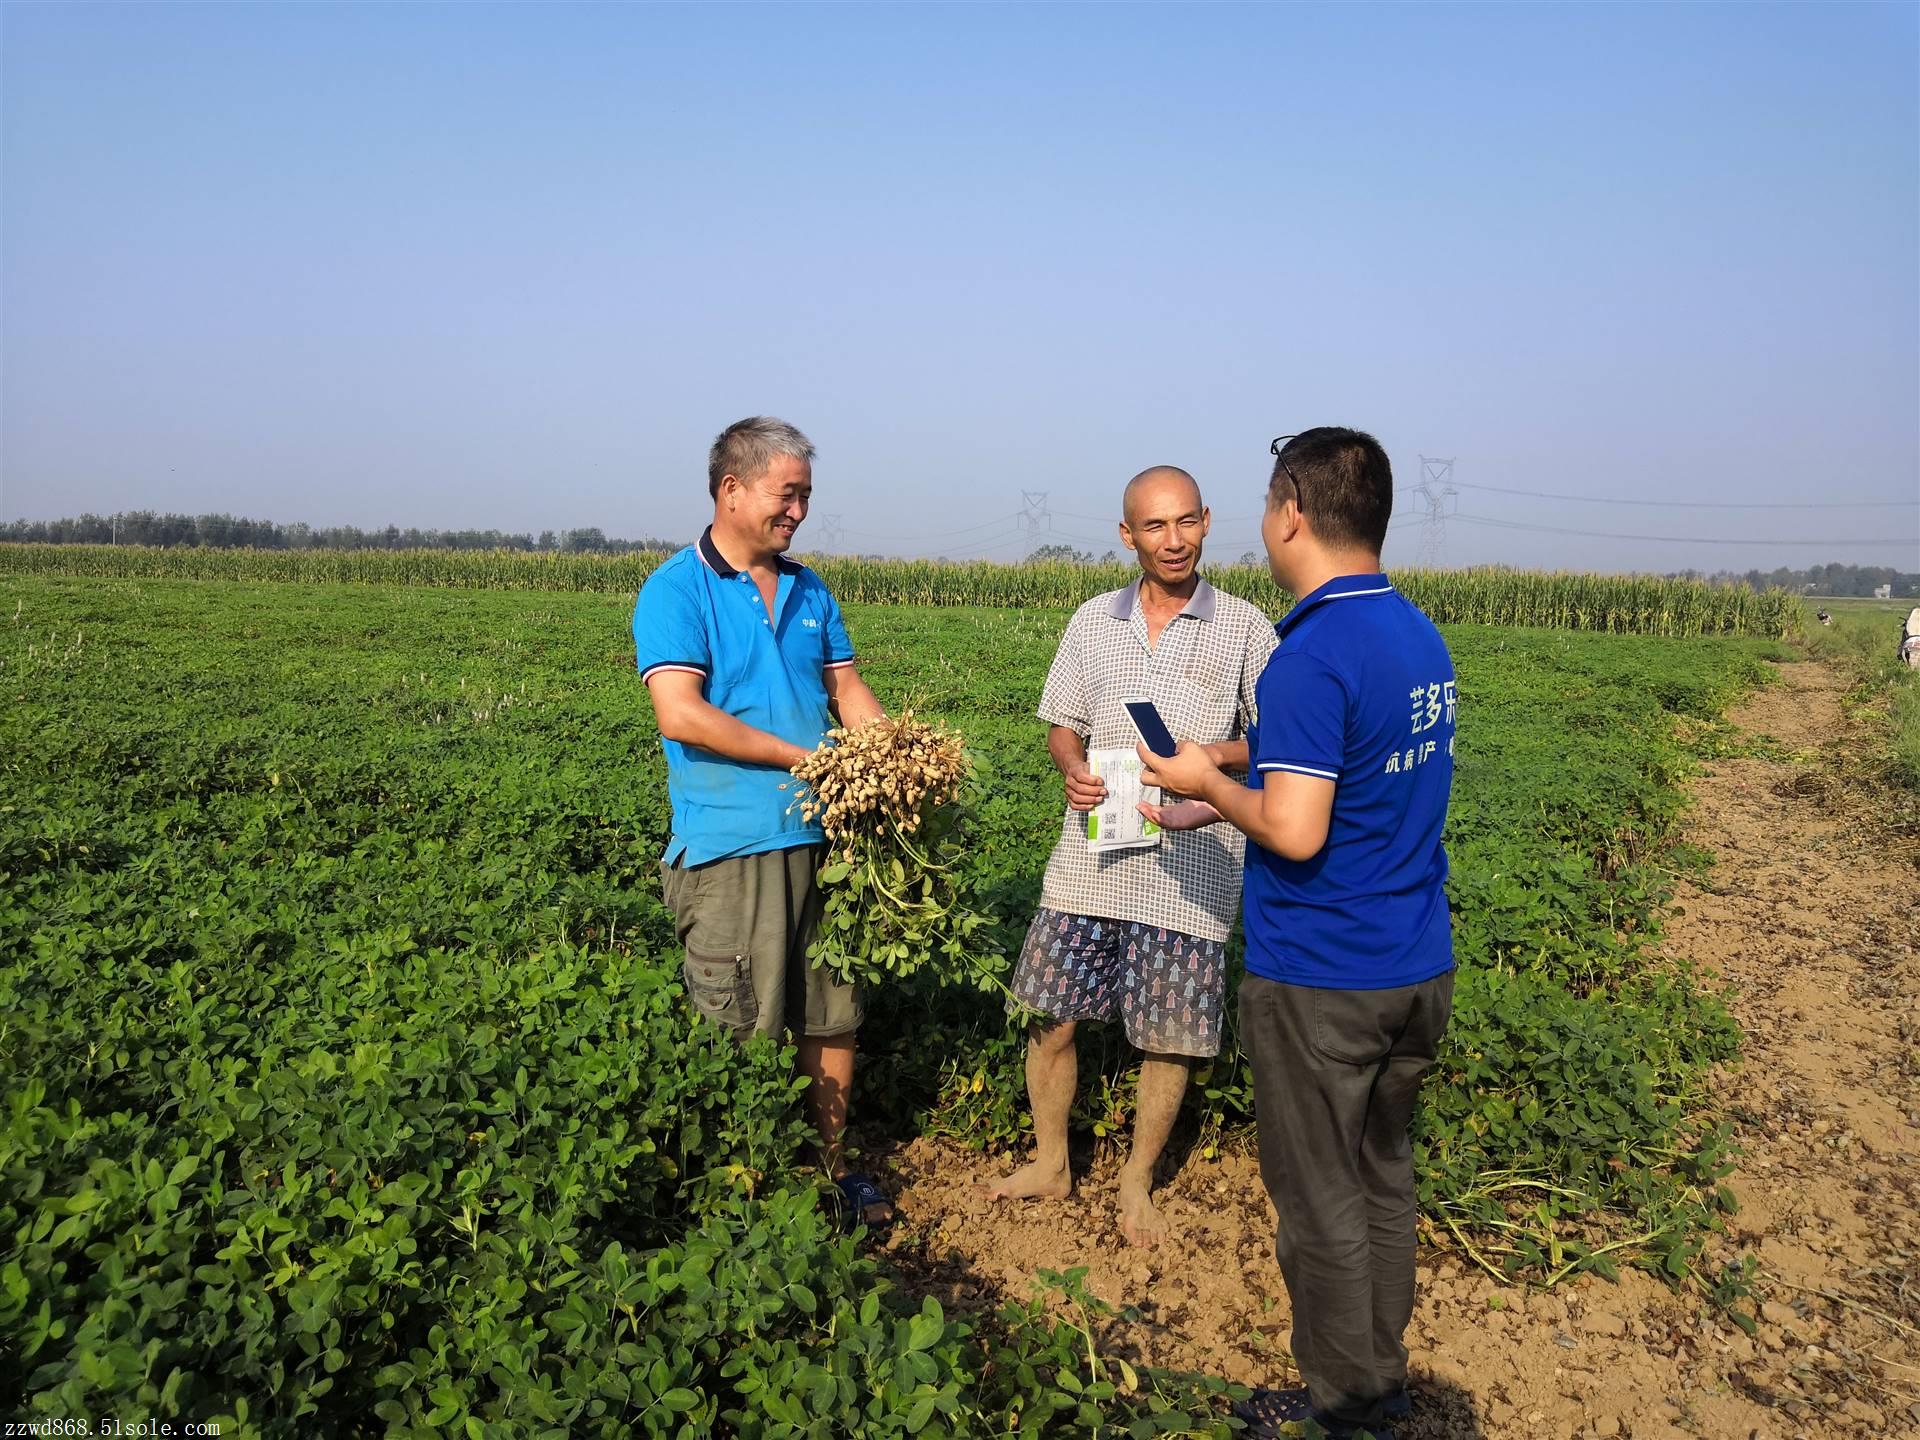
x=746, y=923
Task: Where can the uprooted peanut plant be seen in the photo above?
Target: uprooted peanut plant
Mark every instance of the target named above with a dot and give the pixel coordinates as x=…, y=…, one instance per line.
x=891, y=796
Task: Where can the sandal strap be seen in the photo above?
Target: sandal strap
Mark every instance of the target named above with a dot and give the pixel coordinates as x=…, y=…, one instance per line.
x=861, y=1192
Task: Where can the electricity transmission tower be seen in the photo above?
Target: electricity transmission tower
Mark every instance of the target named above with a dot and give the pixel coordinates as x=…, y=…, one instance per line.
x=830, y=534
x=1437, y=493
x=1035, y=516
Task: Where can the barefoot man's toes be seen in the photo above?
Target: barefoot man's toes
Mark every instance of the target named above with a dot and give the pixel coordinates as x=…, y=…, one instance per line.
x=1140, y=1222
x=1033, y=1182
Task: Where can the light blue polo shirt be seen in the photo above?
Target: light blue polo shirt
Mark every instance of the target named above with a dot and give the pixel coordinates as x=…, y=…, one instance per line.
x=697, y=613
x=1361, y=692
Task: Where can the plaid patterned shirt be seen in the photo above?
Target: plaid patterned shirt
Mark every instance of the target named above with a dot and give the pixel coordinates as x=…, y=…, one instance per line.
x=1201, y=676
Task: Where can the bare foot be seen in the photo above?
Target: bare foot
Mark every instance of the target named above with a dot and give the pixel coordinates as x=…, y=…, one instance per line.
x=1140, y=1222
x=1033, y=1182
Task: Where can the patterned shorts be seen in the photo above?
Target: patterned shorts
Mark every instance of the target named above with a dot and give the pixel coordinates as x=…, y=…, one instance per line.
x=1169, y=988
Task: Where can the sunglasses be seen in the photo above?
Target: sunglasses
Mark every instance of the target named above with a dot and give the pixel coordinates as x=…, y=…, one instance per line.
x=1299, y=495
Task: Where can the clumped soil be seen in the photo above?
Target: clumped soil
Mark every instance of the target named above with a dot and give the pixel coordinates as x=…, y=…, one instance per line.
x=1810, y=914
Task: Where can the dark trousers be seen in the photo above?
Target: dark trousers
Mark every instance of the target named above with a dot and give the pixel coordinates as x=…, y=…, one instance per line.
x=1335, y=1075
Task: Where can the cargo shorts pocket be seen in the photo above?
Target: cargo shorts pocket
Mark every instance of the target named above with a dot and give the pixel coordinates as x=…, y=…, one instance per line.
x=721, y=988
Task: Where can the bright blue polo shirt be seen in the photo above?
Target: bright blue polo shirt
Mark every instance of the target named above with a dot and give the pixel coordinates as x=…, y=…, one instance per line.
x=697, y=613
x=1361, y=691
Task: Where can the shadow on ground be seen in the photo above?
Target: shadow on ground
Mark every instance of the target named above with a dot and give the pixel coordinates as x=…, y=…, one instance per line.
x=1441, y=1411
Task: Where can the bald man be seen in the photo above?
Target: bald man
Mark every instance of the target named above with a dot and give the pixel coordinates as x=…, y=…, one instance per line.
x=1137, y=935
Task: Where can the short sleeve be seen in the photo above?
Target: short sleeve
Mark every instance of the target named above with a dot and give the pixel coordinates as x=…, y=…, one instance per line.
x=1063, y=699
x=669, y=628
x=1303, y=717
x=839, y=644
x=1262, y=641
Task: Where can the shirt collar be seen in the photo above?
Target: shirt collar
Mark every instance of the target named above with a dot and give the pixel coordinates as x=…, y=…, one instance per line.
x=717, y=562
x=1341, y=587
x=1199, y=604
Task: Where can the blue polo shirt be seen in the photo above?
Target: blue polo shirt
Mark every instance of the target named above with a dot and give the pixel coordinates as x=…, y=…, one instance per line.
x=1361, y=692
x=697, y=613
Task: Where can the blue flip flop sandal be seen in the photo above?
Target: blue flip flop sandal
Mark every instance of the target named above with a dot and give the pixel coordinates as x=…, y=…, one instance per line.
x=859, y=1194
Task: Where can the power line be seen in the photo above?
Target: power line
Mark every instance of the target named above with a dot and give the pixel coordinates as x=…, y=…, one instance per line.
x=1220, y=520
x=980, y=552
x=1229, y=540
x=1217, y=544
x=1017, y=538
x=1702, y=504
x=938, y=534
x=1111, y=544
x=990, y=542
x=1674, y=539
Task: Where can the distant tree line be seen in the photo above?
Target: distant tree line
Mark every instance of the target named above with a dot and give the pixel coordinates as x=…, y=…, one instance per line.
x=1056, y=553
x=226, y=532
x=1835, y=579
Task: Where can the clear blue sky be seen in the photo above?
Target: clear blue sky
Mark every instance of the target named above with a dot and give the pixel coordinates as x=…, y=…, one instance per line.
x=514, y=266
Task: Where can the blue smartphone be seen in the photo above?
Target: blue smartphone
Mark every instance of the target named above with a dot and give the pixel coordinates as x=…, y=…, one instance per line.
x=1153, y=730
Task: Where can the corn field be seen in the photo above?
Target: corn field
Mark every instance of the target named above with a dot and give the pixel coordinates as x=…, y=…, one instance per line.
x=1616, y=604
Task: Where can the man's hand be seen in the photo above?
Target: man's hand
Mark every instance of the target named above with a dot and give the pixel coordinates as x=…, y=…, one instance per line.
x=1288, y=815
x=1183, y=815
x=1187, y=771
x=1085, y=790
x=1230, y=755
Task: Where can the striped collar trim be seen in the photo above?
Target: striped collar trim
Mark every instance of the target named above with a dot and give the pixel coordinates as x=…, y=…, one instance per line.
x=1341, y=587
x=717, y=562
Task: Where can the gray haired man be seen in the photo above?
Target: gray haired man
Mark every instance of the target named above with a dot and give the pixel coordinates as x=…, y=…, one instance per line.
x=748, y=663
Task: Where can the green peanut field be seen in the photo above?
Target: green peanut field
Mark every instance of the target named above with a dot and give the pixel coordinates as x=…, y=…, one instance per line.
x=351, y=1090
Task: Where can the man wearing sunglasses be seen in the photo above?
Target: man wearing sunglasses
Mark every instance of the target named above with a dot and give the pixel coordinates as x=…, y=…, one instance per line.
x=1349, y=979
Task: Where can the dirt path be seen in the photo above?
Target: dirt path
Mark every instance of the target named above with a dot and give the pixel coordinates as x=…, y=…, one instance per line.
x=1811, y=914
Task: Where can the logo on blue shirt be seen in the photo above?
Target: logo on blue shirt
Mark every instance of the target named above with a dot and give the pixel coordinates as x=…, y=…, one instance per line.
x=1361, y=692
x=762, y=668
